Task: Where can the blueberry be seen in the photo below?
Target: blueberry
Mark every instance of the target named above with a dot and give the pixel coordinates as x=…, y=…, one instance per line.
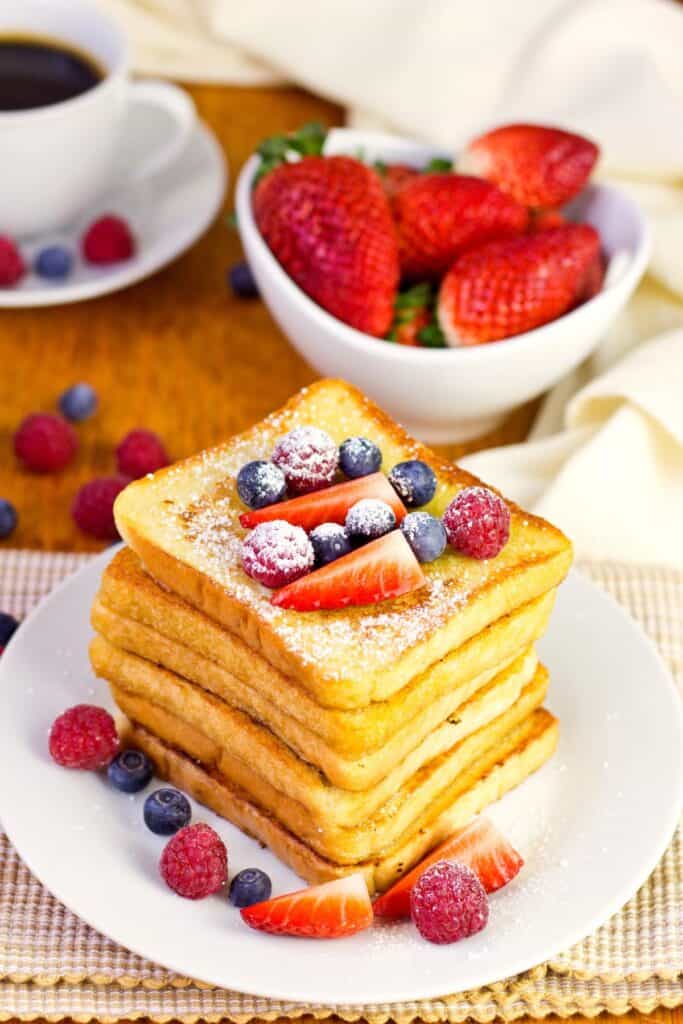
x=250, y=886
x=8, y=627
x=78, y=403
x=359, y=457
x=54, y=262
x=130, y=771
x=166, y=811
x=330, y=541
x=261, y=483
x=425, y=534
x=242, y=281
x=369, y=519
x=8, y=518
x=414, y=482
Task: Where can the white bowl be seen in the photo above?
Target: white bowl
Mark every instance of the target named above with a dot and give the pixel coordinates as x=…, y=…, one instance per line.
x=450, y=394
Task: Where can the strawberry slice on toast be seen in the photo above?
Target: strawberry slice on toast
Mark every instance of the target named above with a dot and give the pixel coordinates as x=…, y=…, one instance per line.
x=327, y=911
x=478, y=845
x=382, y=569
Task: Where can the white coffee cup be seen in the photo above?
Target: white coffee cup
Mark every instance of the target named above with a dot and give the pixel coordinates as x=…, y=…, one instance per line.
x=57, y=160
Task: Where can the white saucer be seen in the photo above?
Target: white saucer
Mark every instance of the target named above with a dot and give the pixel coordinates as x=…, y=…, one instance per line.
x=592, y=824
x=168, y=213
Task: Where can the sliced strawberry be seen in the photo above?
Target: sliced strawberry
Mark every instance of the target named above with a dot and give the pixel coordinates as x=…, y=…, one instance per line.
x=329, y=505
x=479, y=845
x=382, y=569
x=326, y=911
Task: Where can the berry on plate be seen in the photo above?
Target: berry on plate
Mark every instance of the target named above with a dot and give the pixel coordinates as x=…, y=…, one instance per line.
x=93, y=506
x=537, y=165
x=130, y=771
x=369, y=519
x=438, y=216
x=414, y=482
x=448, y=903
x=505, y=288
x=426, y=535
x=326, y=911
x=358, y=456
x=308, y=457
x=250, y=886
x=45, y=442
x=328, y=222
x=78, y=402
x=54, y=262
x=329, y=505
x=108, y=240
x=330, y=541
x=8, y=627
x=479, y=845
x=166, y=811
x=195, y=862
x=84, y=737
x=12, y=266
x=8, y=518
x=242, y=281
x=277, y=553
x=477, y=523
x=141, y=452
x=379, y=570
x=261, y=483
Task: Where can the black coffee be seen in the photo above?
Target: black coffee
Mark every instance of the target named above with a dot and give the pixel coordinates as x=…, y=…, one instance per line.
x=37, y=72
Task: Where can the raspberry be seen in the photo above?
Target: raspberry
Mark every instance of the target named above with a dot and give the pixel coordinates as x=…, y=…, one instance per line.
x=277, y=553
x=108, y=240
x=195, y=862
x=93, y=507
x=141, y=452
x=45, y=442
x=12, y=266
x=308, y=457
x=448, y=903
x=84, y=737
x=477, y=523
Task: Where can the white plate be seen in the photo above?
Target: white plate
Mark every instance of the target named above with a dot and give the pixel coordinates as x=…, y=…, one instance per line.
x=167, y=215
x=592, y=824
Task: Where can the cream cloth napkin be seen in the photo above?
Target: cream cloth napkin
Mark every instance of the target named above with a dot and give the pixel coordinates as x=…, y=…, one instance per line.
x=605, y=459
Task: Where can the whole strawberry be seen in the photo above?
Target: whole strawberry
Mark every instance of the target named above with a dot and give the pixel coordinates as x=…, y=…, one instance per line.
x=508, y=287
x=439, y=216
x=328, y=222
x=537, y=165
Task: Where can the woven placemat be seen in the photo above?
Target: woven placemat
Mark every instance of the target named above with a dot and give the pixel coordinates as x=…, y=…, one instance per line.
x=54, y=966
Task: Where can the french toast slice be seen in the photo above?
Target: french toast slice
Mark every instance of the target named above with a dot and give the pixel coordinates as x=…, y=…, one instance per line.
x=524, y=751
x=183, y=522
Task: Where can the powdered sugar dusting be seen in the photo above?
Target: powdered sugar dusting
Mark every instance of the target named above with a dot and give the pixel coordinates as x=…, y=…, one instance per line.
x=370, y=517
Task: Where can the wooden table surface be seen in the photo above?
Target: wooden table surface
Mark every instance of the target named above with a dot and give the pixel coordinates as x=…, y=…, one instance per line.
x=177, y=353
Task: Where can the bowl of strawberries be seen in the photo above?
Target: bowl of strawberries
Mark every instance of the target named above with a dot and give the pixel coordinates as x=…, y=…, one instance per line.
x=450, y=293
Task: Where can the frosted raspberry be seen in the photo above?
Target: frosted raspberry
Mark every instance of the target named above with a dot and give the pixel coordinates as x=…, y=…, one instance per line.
x=45, y=442
x=84, y=737
x=308, y=457
x=195, y=862
x=477, y=522
x=277, y=553
x=141, y=452
x=448, y=903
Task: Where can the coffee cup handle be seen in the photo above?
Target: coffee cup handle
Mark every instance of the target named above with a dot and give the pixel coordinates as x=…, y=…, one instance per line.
x=181, y=110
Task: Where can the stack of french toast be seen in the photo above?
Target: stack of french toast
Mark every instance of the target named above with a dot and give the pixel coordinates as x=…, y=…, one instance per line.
x=349, y=739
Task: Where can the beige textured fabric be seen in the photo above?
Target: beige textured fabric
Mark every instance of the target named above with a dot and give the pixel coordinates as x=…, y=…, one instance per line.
x=52, y=965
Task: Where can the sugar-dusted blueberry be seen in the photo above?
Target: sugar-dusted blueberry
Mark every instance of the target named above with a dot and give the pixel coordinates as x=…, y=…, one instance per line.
x=8, y=627
x=242, y=281
x=261, y=483
x=426, y=535
x=369, y=519
x=8, y=518
x=166, y=811
x=54, y=262
x=78, y=402
x=330, y=541
x=250, y=886
x=359, y=456
x=130, y=771
x=414, y=482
